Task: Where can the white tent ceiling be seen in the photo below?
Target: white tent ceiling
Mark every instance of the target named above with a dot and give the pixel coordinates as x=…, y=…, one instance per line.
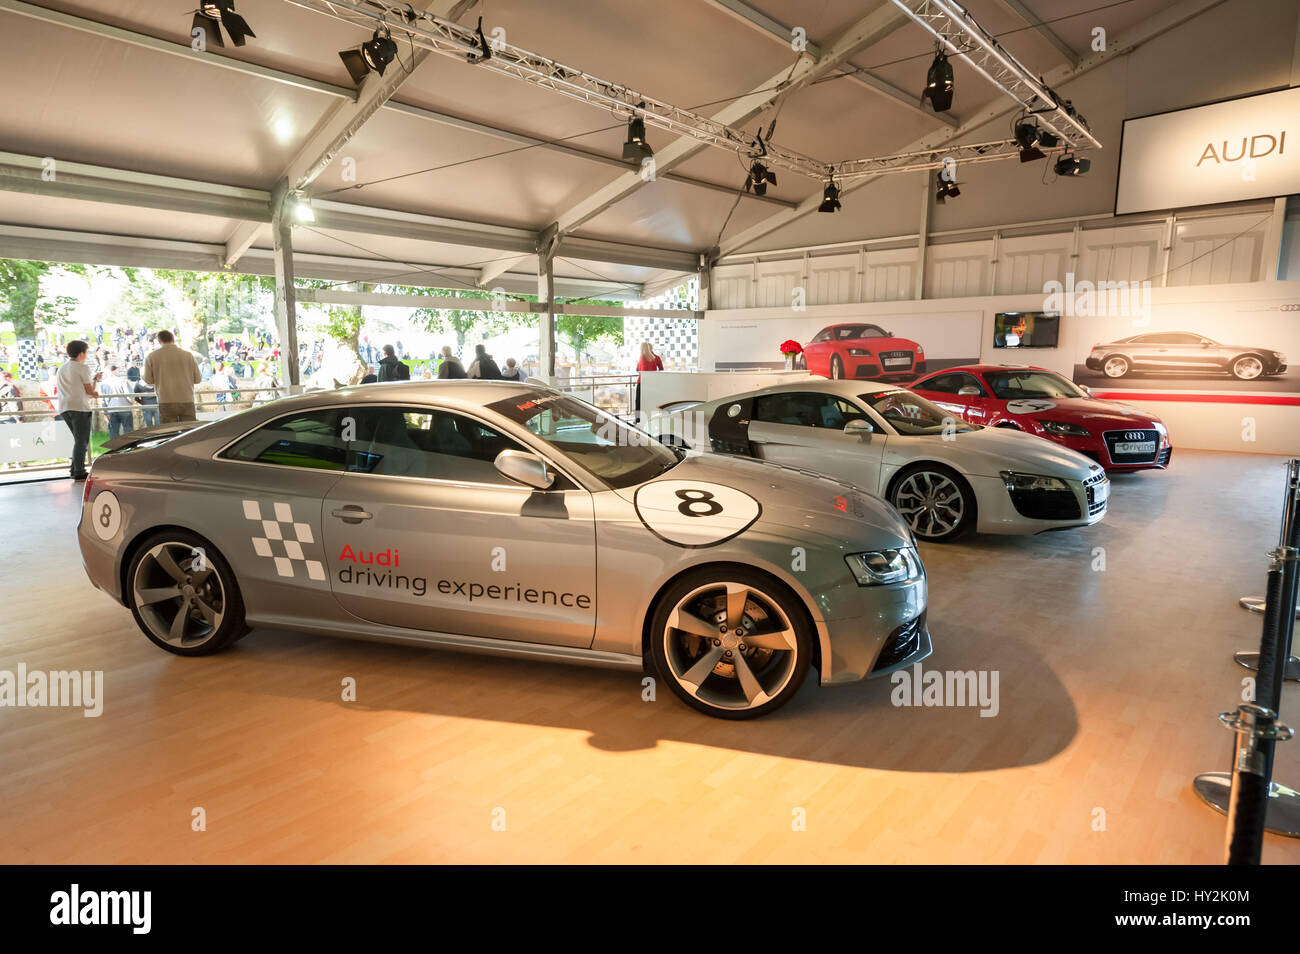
x=113, y=84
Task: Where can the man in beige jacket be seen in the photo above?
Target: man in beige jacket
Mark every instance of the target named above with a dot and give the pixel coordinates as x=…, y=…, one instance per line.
x=173, y=372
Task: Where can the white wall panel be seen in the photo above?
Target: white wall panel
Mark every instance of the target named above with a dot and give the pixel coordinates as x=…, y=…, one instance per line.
x=958, y=270
x=1028, y=263
x=1130, y=254
x=776, y=281
x=729, y=286
x=1215, y=251
x=832, y=279
x=890, y=275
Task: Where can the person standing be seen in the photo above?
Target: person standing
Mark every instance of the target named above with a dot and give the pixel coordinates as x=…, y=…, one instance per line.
x=173, y=372
x=117, y=404
x=451, y=368
x=10, y=406
x=649, y=361
x=484, y=367
x=76, y=386
x=144, y=396
x=392, y=368
x=512, y=371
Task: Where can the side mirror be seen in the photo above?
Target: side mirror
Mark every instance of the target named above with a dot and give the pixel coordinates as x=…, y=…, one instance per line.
x=858, y=428
x=526, y=468
x=1086, y=390
x=969, y=391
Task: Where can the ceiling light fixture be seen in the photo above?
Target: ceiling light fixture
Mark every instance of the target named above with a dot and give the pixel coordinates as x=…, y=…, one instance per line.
x=1072, y=165
x=939, y=84
x=830, y=197
x=375, y=54
x=946, y=189
x=760, y=177
x=636, y=148
x=213, y=14
x=1030, y=136
x=301, y=209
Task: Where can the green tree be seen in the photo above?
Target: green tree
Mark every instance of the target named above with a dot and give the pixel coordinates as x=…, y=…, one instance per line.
x=219, y=302
x=25, y=302
x=581, y=331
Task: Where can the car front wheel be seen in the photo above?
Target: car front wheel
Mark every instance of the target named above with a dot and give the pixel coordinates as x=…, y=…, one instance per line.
x=1115, y=367
x=936, y=502
x=1247, y=368
x=731, y=642
x=184, y=596
x=837, y=368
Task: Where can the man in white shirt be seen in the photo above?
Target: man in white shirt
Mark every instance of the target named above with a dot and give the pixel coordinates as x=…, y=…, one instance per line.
x=114, y=390
x=76, y=386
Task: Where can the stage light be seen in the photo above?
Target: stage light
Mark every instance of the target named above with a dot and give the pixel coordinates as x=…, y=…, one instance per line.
x=1072, y=165
x=760, y=177
x=945, y=189
x=213, y=14
x=1029, y=136
x=939, y=84
x=830, y=198
x=375, y=54
x=636, y=148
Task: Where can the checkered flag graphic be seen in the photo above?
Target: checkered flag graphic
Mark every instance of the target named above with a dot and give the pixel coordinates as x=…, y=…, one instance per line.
x=289, y=535
x=26, y=360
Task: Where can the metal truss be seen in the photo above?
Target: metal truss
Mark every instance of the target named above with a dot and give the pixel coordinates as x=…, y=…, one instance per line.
x=956, y=29
x=468, y=45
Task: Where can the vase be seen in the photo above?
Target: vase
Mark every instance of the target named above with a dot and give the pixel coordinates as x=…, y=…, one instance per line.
x=789, y=362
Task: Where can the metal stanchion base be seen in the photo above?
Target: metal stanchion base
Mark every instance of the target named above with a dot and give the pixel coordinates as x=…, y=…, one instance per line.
x=1283, y=816
x=1248, y=660
x=1255, y=604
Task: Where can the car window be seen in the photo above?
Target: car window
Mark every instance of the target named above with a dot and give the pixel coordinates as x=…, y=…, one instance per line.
x=389, y=441
x=850, y=332
x=823, y=335
x=806, y=409
x=912, y=415
x=1010, y=385
x=951, y=383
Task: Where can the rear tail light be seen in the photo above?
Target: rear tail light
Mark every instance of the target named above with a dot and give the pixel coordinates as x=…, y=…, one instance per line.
x=85, y=494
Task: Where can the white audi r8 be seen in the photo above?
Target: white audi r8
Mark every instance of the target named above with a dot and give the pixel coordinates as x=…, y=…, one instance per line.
x=943, y=475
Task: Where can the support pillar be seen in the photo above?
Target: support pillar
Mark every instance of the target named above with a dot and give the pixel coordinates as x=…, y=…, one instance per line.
x=546, y=302
x=286, y=303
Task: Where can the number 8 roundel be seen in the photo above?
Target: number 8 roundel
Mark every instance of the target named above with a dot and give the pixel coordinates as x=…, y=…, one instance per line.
x=695, y=513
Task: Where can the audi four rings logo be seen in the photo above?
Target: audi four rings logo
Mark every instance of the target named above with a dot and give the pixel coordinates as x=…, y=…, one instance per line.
x=1134, y=435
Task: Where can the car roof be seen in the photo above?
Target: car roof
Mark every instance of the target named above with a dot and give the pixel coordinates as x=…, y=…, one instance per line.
x=466, y=392
x=981, y=368
x=849, y=388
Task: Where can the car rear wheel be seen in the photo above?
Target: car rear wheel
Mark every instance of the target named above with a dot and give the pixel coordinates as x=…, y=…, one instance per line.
x=1115, y=366
x=731, y=642
x=184, y=596
x=837, y=368
x=936, y=502
x=1247, y=368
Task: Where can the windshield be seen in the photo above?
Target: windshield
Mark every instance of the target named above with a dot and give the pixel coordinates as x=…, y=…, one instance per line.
x=913, y=415
x=1010, y=385
x=617, y=453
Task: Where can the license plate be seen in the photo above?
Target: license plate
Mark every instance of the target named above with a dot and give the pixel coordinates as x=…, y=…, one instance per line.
x=1100, y=492
x=1135, y=447
x=897, y=362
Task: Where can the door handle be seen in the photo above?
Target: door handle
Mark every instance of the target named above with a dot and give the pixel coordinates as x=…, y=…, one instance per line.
x=351, y=514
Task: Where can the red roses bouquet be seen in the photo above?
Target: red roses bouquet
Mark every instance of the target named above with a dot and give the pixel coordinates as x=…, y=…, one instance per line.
x=790, y=348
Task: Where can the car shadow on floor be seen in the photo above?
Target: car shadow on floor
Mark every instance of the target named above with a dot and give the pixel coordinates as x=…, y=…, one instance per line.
x=859, y=725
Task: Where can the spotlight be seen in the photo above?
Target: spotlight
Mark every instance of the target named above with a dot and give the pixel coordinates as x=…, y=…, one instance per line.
x=210, y=17
x=945, y=189
x=302, y=210
x=1029, y=137
x=939, y=83
x=375, y=54
x=760, y=177
x=636, y=148
x=1072, y=165
x=830, y=198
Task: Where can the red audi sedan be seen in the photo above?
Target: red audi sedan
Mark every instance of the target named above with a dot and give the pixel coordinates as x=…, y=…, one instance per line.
x=864, y=352
x=1042, y=402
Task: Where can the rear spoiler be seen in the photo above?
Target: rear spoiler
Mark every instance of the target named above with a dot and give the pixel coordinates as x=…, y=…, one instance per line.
x=157, y=432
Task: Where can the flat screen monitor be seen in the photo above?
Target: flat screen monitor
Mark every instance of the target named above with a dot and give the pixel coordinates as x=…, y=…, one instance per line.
x=1026, y=329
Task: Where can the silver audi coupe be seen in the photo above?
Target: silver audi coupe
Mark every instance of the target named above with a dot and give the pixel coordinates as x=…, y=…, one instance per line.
x=508, y=519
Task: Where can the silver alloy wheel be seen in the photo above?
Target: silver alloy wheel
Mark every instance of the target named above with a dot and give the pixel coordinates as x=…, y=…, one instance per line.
x=181, y=602
x=837, y=368
x=1115, y=367
x=930, y=502
x=1247, y=368
x=730, y=645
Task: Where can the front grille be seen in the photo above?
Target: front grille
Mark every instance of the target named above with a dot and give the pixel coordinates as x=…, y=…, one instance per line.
x=886, y=357
x=1046, y=504
x=1147, y=455
x=1165, y=456
x=900, y=644
x=1090, y=486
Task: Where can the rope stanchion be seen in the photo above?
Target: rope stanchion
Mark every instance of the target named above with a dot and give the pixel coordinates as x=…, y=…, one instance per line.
x=1253, y=802
x=1256, y=604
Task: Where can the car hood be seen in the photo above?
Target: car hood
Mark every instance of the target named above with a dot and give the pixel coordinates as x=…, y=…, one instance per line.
x=792, y=503
x=988, y=451
x=1090, y=410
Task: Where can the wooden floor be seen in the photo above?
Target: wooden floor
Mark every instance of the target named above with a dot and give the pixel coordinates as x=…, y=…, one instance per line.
x=1110, y=684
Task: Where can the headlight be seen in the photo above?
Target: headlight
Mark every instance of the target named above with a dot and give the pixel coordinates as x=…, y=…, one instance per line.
x=1016, y=481
x=1064, y=429
x=880, y=567
x=860, y=352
